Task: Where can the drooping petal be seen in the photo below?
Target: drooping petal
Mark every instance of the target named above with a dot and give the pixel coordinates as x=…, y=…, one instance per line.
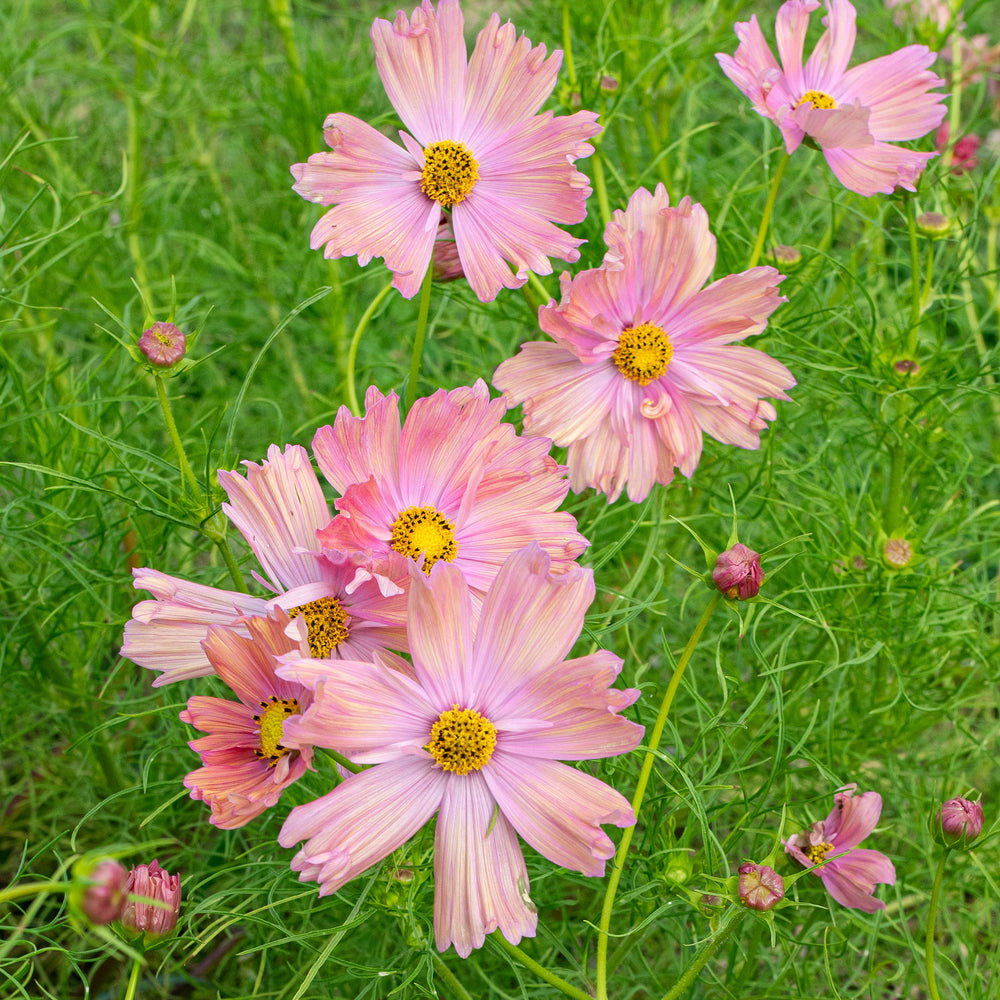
x=852, y=817
x=558, y=810
x=832, y=53
x=851, y=880
x=752, y=67
x=790, y=34
x=361, y=821
x=880, y=168
x=481, y=883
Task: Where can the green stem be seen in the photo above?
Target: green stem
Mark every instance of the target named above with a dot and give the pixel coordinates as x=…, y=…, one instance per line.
x=230, y=560
x=445, y=974
x=539, y=970
x=894, y=498
x=925, y=295
x=772, y=197
x=418, y=340
x=931, y=921
x=536, y=284
x=730, y=924
x=911, y=225
x=352, y=351
x=600, y=187
x=133, y=979
x=568, y=47
x=187, y=475
x=31, y=889
x=618, y=864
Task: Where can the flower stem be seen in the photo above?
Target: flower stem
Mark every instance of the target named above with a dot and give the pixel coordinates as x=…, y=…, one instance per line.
x=915, y=310
x=188, y=480
x=31, y=889
x=539, y=970
x=568, y=46
x=931, y=921
x=449, y=977
x=230, y=560
x=618, y=864
x=600, y=188
x=352, y=351
x=772, y=196
x=730, y=924
x=418, y=340
x=133, y=979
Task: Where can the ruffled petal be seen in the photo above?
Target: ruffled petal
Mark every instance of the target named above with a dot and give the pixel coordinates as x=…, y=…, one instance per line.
x=480, y=881
x=790, y=34
x=752, y=67
x=851, y=880
x=880, y=168
x=833, y=51
x=852, y=818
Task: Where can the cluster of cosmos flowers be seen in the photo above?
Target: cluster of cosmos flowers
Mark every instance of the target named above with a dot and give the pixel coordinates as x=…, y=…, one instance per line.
x=421, y=627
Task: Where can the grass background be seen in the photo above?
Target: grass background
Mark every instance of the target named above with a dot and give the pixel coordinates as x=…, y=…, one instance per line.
x=148, y=145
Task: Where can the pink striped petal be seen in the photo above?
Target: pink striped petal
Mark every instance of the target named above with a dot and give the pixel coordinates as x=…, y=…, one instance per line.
x=832, y=53
x=790, y=34
x=880, y=168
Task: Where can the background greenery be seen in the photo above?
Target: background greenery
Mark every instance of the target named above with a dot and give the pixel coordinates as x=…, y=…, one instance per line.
x=145, y=148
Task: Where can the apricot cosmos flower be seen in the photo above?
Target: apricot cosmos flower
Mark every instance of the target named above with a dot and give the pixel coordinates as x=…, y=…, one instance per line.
x=850, y=879
x=643, y=360
x=337, y=605
x=474, y=731
x=452, y=484
x=479, y=152
x=854, y=115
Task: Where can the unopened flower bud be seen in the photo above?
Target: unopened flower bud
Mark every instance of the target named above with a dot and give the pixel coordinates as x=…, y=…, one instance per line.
x=608, y=84
x=785, y=257
x=103, y=893
x=934, y=225
x=897, y=552
x=163, y=344
x=960, y=822
x=737, y=572
x=906, y=366
x=761, y=887
x=447, y=264
x=154, y=900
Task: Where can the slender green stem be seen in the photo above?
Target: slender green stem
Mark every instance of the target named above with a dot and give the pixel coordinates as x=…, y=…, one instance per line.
x=911, y=225
x=536, y=284
x=600, y=187
x=31, y=889
x=352, y=351
x=230, y=560
x=894, y=496
x=133, y=979
x=925, y=295
x=931, y=921
x=449, y=977
x=539, y=970
x=568, y=46
x=765, y=222
x=188, y=480
x=418, y=340
x=618, y=864
x=729, y=924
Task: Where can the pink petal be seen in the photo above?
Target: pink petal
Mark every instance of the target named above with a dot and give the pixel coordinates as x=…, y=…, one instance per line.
x=852, y=818
x=753, y=66
x=851, y=880
x=790, y=34
x=361, y=821
x=278, y=507
x=422, y=66
x=480, y=879
x=877, y=169
x=845, y=127
x=557, y=809
x=833, y=51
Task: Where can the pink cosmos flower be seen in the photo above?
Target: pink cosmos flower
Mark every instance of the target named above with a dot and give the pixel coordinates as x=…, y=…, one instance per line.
x=642, y=362
x=453, y=484
x=154, y=900
x=337, y=605
x=247, y=759
x=854, y=115
x=479, y=150
x=475, y=734
x=850, y=879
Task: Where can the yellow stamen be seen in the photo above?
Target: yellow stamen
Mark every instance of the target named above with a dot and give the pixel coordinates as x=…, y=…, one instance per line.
x=643, y=353
x=450, y=172
x=462, y=740
x=427, y=530
x=326, y=622
x=272, y=721
x=817, y=852
x=818, y=99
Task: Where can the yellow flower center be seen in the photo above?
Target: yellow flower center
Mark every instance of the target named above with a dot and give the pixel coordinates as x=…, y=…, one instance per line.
x=462, y=740
x=817, y=852
x=272, y=721
x=326, y=622
x=427, y=530
x=818, y=100
x=643, y=353
x=450, y=172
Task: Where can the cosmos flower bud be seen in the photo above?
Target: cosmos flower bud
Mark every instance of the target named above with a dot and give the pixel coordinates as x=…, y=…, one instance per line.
x=785, y=258
x=163, y=344
x=609, y=84
x=959, y=823
x=104, y=894
x=898, y=552
x=761, y=887
x=737, y=572
x=154, y=900
x=933, y=225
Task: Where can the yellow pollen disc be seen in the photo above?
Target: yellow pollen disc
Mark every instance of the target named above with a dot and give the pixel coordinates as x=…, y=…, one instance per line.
x=817, y=852
x=326, y=623
x=462, y=740
x=271, y=721
x=424, y=529
x=643, y=353
x=818, y=99
x=450, y=172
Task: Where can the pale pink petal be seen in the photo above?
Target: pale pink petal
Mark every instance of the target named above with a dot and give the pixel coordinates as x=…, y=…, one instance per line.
x=421, y=62
x=361, y=821
x=877, y=169
x=599, y=461
x=833, y=51
x=845, y=127
x=481, y=883
x=851, y=880
x=790, y=35
x=356, y=448
x=507, y=82
x=558, y=810
x=852, y=818
x=166, y=633
x=753, y=67
x=278, y=507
